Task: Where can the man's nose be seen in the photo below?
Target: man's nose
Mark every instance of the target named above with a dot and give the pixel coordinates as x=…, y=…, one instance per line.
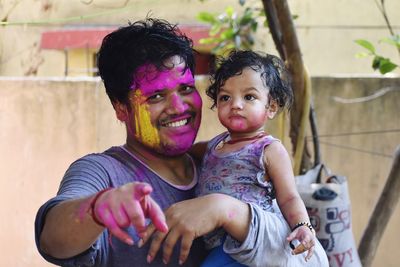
x=177, y=104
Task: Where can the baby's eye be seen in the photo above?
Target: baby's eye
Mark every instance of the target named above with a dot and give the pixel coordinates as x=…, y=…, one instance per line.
x=223, y=98
x=249, y=97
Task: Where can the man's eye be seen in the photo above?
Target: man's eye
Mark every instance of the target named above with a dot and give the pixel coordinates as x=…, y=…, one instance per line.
x=187, y=89
x=155, y=98
x=249, y=97
x=223, y=98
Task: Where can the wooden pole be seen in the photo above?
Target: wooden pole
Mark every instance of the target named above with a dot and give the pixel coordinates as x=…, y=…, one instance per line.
x=381, y=214
x=274, y=27
x=284, y=35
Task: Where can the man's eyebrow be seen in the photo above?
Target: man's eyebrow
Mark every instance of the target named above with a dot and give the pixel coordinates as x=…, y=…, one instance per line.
x=152, y=92
x=187, y=83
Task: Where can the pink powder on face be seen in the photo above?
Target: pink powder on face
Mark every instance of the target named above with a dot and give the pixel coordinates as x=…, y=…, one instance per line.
x=238, y=124
x=178, y=104
x=184, y=141
x=197, y=101
x=151, y=80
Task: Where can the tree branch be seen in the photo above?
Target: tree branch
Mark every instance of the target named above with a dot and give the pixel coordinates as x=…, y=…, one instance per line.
x=274, y=27
x=381, y=215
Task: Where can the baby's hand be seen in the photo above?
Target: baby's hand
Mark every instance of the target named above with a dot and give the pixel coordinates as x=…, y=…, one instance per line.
x=306, y=237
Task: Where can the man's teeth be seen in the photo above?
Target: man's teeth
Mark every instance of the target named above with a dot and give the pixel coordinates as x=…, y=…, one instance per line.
x=177, y=123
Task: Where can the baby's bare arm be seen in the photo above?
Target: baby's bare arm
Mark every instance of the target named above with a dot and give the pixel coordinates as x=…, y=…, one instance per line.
x=279, y=167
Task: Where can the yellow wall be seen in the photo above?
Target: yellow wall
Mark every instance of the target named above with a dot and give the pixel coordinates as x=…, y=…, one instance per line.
x=47, y=124
x=81, y=62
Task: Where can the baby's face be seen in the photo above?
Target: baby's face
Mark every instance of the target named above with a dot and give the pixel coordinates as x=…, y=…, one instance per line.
x=243, y=103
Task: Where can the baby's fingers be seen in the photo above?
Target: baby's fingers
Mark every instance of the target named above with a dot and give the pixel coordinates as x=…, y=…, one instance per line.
x=291, y=236
x=310, y=253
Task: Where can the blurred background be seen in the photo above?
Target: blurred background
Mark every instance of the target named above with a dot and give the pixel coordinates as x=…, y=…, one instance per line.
x=53, y=107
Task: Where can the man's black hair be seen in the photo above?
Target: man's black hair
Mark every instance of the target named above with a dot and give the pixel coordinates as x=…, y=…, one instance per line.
x=149, y=41
x=272, y=70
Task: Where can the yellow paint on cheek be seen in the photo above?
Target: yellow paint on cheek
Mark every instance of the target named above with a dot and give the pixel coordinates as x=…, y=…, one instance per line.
x=145, y=131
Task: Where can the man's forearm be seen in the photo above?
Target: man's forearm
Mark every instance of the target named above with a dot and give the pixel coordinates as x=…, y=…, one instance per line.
x=69, y=229
x=236, y=218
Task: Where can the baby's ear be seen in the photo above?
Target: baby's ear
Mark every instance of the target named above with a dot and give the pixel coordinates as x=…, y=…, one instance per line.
x=272, y=109
x=121, y=111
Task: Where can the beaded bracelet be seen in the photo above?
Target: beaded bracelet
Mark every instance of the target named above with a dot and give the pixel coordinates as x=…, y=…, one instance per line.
x=93, y=204
x=307, y=224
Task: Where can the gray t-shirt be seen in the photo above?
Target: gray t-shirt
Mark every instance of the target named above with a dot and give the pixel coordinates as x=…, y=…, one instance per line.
x=116, y=167
x=113, y=168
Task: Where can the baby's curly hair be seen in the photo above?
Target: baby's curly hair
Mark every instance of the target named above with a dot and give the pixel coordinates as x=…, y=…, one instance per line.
x=271, y=68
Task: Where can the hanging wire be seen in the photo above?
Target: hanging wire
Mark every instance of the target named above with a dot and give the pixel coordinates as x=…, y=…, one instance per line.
x=309, y=138
x=357, y=149
x=357, y=133
x=64, y=20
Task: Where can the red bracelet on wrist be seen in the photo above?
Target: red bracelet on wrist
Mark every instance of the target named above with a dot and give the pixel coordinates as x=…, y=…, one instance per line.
x=93, y=203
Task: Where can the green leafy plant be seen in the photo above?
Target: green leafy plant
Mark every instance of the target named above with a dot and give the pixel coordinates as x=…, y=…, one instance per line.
x=383, y=64
x=230, y=29
x=234, y=30
x=379, y=62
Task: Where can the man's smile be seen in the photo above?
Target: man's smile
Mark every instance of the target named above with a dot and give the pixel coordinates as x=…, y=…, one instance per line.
x=176, y=123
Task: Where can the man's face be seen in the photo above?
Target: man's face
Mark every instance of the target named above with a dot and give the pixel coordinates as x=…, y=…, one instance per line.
x=165, y=108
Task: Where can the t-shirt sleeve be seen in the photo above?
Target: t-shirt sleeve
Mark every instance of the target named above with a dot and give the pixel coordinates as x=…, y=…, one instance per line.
x=84, y=177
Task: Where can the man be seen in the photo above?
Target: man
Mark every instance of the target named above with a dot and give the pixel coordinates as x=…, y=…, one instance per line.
x=99, y=214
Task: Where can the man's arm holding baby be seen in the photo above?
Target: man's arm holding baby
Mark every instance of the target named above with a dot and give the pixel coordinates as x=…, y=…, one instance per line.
x=190, y=219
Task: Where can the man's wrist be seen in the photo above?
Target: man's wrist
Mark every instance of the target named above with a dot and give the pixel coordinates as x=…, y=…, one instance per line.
x=222, y=205
x=235, y=217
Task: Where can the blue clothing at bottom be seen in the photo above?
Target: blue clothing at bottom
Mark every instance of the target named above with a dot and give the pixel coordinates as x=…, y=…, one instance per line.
x=218, y=258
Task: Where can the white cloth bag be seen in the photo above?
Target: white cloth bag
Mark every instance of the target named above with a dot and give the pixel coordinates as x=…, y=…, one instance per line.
x=329, y=209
